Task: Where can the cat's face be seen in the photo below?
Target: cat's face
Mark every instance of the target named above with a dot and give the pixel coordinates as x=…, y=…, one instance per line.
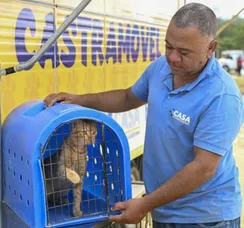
x=85, y=131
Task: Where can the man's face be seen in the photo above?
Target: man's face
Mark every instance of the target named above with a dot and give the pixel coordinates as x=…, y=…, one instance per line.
x=187, y=51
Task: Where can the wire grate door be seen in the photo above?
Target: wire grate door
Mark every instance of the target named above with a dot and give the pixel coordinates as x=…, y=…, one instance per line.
x=81, y=171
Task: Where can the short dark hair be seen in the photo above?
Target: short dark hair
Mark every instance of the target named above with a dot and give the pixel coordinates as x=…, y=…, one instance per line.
x=199, y=15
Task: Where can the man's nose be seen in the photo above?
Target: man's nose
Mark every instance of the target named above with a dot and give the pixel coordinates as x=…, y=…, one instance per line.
x=175, y=56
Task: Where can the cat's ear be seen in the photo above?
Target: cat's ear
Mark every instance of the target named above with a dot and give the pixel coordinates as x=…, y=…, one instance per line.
x=74, y=124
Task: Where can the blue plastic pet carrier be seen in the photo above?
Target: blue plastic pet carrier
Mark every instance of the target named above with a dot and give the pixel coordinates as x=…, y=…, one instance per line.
x=31, y=135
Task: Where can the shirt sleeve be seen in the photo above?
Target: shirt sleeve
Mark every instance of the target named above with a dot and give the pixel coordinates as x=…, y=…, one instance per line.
x=141, y=87
x=219, y=124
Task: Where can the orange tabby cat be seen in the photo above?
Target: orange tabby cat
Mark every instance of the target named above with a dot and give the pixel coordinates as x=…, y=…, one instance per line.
x=71, y=162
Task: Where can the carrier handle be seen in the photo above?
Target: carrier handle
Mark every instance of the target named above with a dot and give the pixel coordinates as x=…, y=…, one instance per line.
x=39, y=107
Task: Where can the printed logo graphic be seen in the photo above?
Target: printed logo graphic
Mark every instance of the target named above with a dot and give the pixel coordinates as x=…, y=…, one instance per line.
x=180, y=116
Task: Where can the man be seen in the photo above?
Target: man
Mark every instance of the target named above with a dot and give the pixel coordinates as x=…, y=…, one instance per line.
x=195, y=111
x=239, y=65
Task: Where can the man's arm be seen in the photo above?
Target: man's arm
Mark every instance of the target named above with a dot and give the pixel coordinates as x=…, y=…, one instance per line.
x=183, y=182
x=186, y=180
x=111, y=101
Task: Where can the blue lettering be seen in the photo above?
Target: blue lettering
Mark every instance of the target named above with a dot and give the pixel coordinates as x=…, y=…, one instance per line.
x=124, y=44
x=135, y=36
x=97, y=41
x=130, y=119
x=157, y=42
x=84, y=24
x=69, y=59
x=146, y=111
x=152, y=44
x=111, y=44
x=121, y=47
x=48, y=31
x=26, y=19
x=127, y=120
x=144, y=39
x=137, y=116
x=124, y=121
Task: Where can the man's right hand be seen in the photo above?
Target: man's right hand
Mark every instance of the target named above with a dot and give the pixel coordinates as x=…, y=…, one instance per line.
x=63, y=98
x=110, y=101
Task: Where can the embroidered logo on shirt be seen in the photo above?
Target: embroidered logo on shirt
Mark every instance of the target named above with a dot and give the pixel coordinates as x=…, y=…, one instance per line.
x=180, y=116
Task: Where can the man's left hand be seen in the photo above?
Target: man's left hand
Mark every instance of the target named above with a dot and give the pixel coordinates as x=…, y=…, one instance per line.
x=133, y=211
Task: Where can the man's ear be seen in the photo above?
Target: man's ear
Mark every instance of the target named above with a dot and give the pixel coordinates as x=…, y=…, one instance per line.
x=211, y=48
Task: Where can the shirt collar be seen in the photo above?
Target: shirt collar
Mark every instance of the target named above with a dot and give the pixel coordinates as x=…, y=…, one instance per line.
x=167, y=76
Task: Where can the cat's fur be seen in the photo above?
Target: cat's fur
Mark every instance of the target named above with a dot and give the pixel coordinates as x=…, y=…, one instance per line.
x=69, y=164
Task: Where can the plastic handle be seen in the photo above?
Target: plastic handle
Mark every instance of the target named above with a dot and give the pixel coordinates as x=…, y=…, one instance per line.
x=40, y=107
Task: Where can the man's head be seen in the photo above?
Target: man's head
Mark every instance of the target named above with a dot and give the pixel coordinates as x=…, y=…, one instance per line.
x=190, y=39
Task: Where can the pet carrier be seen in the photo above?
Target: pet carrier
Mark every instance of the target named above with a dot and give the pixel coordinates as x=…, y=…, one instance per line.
x=33, y=138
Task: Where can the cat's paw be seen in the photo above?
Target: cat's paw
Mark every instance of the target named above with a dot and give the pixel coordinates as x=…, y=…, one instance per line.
x=77, y=213
x=72, y=176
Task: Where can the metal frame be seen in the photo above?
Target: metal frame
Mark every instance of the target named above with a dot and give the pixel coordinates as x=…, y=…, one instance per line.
x=49, y=42
x=51, y=163
x=221, y=29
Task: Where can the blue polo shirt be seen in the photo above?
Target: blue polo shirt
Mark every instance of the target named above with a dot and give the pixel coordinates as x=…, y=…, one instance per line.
x=206, y=113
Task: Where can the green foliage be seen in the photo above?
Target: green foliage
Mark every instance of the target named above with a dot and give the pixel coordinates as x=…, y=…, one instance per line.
x=232, y=38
